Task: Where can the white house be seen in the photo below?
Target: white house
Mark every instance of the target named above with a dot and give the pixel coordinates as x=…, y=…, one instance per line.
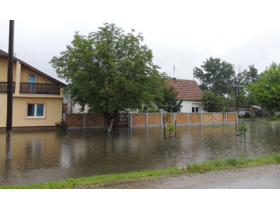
x=190, y=92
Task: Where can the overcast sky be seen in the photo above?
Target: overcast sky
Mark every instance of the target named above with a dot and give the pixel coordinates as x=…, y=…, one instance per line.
x=180, y=33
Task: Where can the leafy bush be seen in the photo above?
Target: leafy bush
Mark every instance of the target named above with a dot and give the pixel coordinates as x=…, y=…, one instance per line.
x=243, y=127
x=153, y=110
x=278, y=117
x=171, y=127
x=272, y=112
x=61, y=126
x=252, y=116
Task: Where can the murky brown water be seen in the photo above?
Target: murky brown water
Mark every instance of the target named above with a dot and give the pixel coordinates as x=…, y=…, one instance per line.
x=45, y=156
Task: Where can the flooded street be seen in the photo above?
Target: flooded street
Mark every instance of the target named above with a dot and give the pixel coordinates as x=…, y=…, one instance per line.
x=46, y=156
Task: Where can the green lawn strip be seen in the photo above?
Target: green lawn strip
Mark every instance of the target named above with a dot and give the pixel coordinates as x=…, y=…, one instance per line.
x=205, y=166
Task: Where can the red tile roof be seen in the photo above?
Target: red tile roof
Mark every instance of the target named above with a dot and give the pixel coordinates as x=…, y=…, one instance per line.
x=188, y=89
x=5, y=55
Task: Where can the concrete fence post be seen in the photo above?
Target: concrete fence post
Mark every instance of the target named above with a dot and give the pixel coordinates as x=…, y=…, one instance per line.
x=130, y=119
x=161, y=119
x=201, y=118
x=214, y=118
x=147, y=119
x=226, y=118
x=64, y=116
x=84, y=120
x=188, y=118
x=174, y=118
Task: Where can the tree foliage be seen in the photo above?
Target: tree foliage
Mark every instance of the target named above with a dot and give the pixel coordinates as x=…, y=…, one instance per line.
x=110, y=71
x=266, y=90
x=211, y=102
x=170, y=102
x=215, y=75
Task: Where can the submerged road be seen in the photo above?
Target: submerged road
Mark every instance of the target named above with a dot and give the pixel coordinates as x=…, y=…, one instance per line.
x=261, y=177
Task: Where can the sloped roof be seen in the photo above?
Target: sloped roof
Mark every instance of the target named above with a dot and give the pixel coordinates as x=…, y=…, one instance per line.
x=188, y=89
x=5, y=55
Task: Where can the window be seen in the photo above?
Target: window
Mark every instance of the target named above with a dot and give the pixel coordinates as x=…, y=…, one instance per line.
x=194, y=109
x=35, y=111
x=32, y=78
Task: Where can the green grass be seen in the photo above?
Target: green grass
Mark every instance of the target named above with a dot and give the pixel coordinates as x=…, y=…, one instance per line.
x=218, y=126
x=205, y=166
x=265, y=119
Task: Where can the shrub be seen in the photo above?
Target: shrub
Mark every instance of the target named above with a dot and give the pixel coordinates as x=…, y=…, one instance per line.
x=61, y=126
x=252, y=116
x=170, y=127
x=272, y=112
x=243, y=128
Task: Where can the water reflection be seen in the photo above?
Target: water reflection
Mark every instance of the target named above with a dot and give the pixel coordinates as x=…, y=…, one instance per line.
x=46, y=156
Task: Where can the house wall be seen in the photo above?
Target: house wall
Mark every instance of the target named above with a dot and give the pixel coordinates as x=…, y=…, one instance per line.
x=53, y=111
x=40, y=79
x=4, y=68
x=76, y=108
x=187, y=106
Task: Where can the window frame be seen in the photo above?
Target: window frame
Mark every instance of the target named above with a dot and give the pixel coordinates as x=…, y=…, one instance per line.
x=31, y=73
x=35, y=111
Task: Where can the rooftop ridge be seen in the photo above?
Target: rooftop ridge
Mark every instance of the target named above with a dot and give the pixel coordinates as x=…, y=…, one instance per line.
x=3, y=53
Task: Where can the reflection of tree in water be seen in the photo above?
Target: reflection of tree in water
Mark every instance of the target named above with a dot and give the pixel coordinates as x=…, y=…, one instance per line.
x=120, y=132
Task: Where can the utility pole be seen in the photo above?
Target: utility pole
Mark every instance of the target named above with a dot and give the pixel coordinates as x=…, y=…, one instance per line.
x=236, y=100
x=10, y=91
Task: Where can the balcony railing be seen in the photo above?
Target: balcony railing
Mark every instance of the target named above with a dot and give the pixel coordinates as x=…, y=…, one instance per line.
x=39, y=88
x=4, y=87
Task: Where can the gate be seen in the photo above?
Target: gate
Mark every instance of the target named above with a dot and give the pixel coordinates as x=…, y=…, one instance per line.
x=121, y=120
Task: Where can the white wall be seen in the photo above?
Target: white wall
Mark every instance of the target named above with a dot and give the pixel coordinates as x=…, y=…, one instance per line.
x=187, y=106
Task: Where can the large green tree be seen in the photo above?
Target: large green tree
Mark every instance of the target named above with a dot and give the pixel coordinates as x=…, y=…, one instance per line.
x=215, y=75
x=170, y=102
x=266, y=90
x=212, y=102
x=109, y=71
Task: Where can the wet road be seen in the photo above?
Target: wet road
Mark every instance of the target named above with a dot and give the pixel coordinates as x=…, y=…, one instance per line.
x=262, y=177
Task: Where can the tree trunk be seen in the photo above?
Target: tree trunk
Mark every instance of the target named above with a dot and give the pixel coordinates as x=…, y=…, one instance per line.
x=111, y=125
x=108, y=127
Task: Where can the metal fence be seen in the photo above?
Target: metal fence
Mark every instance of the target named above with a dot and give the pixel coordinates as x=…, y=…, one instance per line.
x=39, y=88
x=4, y=87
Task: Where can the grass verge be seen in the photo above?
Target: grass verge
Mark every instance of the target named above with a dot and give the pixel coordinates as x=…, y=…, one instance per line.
x=205, y=166
x=264, y=119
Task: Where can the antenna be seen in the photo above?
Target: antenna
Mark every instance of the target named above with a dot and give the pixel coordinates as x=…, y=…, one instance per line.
x=174, y=71
x=193, y=74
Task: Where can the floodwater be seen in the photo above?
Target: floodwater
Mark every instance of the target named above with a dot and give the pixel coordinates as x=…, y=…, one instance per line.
x=46, y=156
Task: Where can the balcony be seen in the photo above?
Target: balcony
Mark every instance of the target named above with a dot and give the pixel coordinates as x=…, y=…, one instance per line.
x=4, y=87
x=39, y=88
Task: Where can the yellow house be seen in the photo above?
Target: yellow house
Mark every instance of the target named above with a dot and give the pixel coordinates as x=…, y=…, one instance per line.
x=37, y=98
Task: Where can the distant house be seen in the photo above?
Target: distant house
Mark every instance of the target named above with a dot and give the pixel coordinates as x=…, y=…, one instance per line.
x=37, y=98
x=190, y=92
